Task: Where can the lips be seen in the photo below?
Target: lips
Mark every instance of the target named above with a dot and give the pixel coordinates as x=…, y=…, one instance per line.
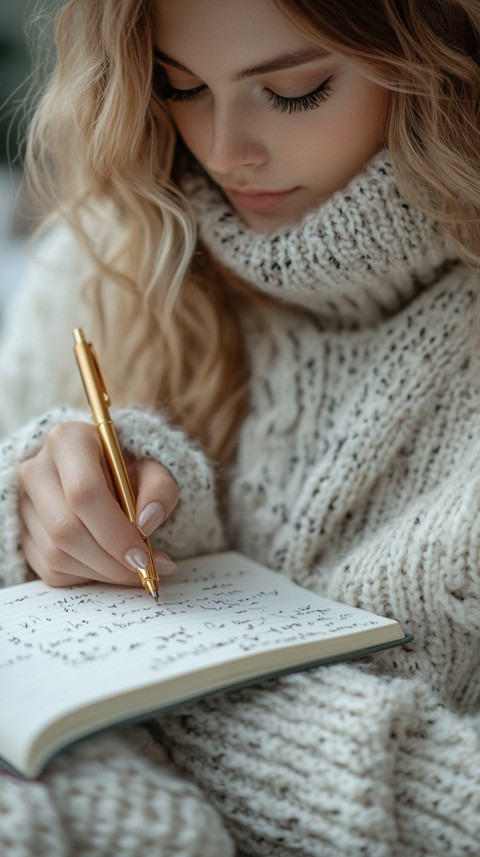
x=259, y=200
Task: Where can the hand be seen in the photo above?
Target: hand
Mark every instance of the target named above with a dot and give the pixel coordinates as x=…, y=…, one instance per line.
x=73, y=527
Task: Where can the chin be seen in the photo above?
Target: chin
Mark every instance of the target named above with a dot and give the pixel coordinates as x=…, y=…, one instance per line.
x=271, y=221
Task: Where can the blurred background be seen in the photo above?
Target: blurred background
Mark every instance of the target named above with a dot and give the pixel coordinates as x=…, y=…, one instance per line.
x=15, y=69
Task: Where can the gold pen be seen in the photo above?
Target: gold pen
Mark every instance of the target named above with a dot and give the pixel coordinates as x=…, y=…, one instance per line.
x=99, y=400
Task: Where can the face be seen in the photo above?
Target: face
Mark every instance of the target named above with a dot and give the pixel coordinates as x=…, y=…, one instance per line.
x=276, y=121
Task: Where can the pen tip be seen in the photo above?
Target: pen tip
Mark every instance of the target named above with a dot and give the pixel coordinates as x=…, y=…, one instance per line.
x=155, y=595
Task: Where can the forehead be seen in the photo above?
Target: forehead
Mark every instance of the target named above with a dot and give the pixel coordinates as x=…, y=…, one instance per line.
x=225, y=34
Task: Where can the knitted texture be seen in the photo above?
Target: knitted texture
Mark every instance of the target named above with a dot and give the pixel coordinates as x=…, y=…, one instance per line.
x=368, y=254
x=113, y=796
x=357, y=474
x=336, y=762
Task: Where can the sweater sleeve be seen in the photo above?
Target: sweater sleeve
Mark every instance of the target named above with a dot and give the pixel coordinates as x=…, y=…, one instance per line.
x=36, y=332
x=336, y=762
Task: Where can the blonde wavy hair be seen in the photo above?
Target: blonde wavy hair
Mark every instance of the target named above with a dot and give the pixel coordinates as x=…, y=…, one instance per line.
x=102, y=147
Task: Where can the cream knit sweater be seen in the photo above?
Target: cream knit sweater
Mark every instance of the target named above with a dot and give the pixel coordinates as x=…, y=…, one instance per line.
x=358, y=475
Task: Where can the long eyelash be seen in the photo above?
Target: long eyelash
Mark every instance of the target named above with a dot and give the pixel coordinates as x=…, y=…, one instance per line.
x=302, y=102
x=279, y=102
x=169, y=93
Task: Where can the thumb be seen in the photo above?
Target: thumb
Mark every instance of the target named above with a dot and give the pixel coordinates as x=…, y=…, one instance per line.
x=157, y=495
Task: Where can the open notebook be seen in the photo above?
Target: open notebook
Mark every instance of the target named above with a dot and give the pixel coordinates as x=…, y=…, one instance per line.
x=80, y=659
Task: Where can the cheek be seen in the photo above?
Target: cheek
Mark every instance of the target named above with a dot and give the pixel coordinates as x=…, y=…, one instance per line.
x=359, y=123
x=192, y=130
x=346, y=135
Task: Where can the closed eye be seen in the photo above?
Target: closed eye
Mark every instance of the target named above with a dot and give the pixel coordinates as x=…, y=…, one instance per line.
x=309, y=101
x=295, y=104
x=170, y=93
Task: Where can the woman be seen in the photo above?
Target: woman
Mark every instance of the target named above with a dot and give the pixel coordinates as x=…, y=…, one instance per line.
x=304, y=391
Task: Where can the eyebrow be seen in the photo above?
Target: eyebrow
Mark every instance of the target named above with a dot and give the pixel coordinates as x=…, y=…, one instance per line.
x=287, y=60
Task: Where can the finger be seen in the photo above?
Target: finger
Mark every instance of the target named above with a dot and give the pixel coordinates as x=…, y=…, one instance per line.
x=88, y=496
x=163, y=564
x=157, y=494
x=58, y=567
x=51, y=577
x=57, y=530
x=36, y=562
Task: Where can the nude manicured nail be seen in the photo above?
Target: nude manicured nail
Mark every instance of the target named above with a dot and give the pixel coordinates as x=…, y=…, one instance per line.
x=136, y=558
x=151, y=518
x=164, y=565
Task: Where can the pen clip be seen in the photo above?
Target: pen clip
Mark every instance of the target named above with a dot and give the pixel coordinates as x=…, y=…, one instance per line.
x=100, y=378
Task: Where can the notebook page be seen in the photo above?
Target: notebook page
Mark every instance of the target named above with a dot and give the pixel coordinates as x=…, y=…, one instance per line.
x=62, y=647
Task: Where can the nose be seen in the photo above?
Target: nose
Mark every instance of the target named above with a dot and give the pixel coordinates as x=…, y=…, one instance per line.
x=234, y=143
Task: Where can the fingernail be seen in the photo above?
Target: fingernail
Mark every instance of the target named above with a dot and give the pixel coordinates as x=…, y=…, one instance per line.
x=164, y=564
x=151, y=518
x=136, y=558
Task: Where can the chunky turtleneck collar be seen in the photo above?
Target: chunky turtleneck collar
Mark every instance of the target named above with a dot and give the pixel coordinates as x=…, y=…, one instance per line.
x=360, y=256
